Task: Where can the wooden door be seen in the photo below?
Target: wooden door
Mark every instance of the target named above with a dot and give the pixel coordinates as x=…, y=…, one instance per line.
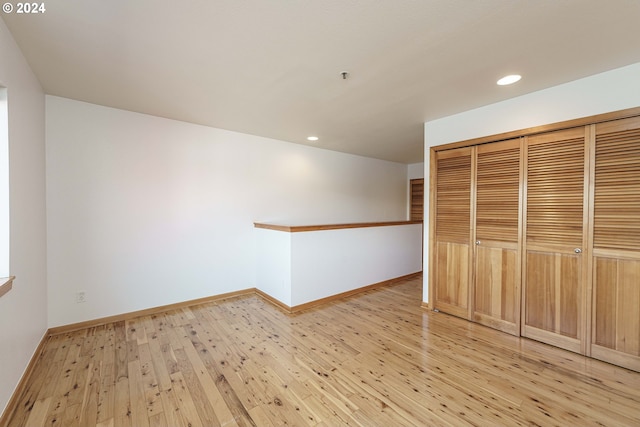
x=452, y=231
x=615, y=336
x=497, y=252
x=553, y=296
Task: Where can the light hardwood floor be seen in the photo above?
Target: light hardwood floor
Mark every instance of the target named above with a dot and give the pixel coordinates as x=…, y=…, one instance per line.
x=376, y=359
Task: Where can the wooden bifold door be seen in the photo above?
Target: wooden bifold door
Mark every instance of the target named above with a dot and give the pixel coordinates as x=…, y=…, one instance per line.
x=539, y=236
x=477, y=234
x=555, y=239
x=615, y=334
x=453, y=232
x=496, y=290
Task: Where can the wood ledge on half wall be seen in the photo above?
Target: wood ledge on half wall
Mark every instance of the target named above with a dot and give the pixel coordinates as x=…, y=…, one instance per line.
x=301, y=228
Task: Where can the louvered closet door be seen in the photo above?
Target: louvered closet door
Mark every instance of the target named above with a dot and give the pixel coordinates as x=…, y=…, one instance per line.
x=497, y=255
x=453, y=231
x=616, y=244
x=553, y=296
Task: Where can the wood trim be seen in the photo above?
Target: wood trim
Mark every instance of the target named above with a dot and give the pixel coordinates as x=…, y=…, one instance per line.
x=272, y=227
x=303, y=228
x=312, y=304
x=453, y=310
x=146, y=312
x=149, y=311
x=6, y=284
x=499, y=244
x=14, y=400
x=583, y=121
x=522, y=221
x=471, y=292
x=587, y=253
x=616, y=253
x=550, y=247
x=551, y=338
x=385, y=283
x=431, y=273
x=523, y=233
x=501, y=325
x=274, y=301
x=616, y=357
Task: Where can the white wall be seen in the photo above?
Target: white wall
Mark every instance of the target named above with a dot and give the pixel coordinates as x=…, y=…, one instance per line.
x=23, y=311
x=273, y=264
x=145, y=211
x=602, y=93
x=415, y=170
x=330, y=262
x=300, y=267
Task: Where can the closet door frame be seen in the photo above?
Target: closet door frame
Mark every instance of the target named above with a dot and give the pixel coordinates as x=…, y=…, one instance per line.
x=587, y=303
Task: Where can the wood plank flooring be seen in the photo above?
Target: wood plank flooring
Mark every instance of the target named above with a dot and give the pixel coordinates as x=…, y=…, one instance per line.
x=376, y=359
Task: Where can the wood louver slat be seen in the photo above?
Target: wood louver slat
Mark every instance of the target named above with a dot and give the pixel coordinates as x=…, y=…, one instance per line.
x=497, y=196
x=617, y=188
x=417, y=199
x=453, y=199
x=555, y=187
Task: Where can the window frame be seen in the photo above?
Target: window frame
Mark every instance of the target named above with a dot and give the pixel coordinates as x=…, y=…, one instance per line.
x=6, y=280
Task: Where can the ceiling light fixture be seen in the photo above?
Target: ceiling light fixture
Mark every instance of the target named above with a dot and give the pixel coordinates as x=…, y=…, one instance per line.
x=312, y=138
x=510, y=79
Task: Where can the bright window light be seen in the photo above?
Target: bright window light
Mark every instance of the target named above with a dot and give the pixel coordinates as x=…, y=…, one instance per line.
x=4, y=184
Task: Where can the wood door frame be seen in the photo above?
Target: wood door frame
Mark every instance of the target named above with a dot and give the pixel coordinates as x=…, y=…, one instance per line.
x=431, y=274
x=587, y=324
x=567, y=124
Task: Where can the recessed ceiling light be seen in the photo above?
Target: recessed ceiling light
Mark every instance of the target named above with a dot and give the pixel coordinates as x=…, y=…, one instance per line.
x=312, y=138
x=510, y=79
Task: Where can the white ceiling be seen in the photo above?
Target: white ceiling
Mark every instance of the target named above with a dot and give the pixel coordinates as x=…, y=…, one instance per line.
x=272, y=67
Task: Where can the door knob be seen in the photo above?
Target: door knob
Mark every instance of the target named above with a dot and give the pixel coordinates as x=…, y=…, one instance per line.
x=477, y=242
x=577, y=250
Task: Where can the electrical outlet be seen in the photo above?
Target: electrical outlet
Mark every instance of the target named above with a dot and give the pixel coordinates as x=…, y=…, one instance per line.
x=81, y=296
